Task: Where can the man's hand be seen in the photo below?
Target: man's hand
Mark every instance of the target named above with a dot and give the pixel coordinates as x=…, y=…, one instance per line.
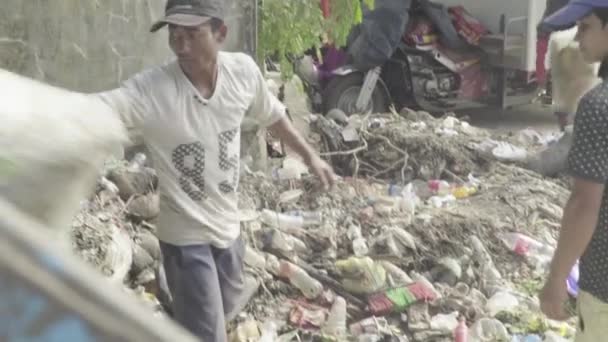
x=322, y=170
x=286, y=132
x=553, y=299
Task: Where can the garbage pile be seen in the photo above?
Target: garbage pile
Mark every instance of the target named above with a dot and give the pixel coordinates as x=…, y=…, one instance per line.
x=428, y=234
x=433, y=233
x=114, y=230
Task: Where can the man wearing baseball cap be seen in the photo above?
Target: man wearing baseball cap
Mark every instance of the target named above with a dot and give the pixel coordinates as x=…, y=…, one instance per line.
x=584, y=232
x=189, y=113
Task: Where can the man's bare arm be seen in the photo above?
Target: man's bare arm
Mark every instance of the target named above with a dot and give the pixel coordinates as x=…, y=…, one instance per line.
x=578, y=224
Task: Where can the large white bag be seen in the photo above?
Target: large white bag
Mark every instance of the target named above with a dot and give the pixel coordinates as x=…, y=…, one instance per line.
x=53, y=143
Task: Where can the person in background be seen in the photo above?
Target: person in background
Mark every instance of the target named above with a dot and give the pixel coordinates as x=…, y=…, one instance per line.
x=543, y=35
x=189, y=112
x=584, y=232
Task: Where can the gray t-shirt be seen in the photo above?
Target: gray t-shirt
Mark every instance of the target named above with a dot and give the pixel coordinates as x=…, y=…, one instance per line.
x=588, y=159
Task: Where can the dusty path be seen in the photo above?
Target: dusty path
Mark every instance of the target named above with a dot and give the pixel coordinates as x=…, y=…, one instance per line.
x=535, y=116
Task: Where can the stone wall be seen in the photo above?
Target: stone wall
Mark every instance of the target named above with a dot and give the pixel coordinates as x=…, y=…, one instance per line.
x=91, y=45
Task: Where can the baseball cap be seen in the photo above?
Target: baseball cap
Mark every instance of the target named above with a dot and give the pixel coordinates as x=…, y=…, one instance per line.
x=574, y=11
x=190, y=13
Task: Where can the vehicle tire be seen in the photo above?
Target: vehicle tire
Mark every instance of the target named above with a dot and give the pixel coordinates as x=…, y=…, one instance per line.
x=342, y=93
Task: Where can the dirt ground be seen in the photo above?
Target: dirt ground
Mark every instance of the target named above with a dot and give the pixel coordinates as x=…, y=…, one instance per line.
x=538, y=117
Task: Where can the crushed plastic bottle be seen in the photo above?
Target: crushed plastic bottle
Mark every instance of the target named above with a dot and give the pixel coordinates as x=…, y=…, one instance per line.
x=440, y=187
x=536, y=253
x=526, y=246
x=310, y=287
x=488, y=330
x=281, y=220
x=358, y=242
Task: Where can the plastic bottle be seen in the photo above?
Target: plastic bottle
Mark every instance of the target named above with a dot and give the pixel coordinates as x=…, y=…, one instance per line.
x=288, y=245
x=254, y=258
x=281, y=220
x=310, y=218
x=335, y=324
x=463, y=191
x=310, y=287
x=440, y=187
x=278, y=220
x=526, y=246
x=359, y=244
x=461, y=333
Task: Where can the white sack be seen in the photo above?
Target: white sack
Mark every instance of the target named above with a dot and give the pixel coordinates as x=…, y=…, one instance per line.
x=52, y=144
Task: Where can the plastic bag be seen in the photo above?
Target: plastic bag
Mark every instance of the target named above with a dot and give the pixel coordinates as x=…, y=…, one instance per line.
x=119, y=255
x=508, y=152
x=52, y=144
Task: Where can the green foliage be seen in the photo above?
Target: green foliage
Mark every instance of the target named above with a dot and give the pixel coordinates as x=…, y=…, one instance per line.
x=290, y=27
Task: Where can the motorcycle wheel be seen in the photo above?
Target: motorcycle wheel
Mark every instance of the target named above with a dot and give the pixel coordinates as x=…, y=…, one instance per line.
x=342, y=93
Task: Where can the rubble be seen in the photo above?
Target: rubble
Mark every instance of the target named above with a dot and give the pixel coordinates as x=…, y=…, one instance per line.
x=405, y=246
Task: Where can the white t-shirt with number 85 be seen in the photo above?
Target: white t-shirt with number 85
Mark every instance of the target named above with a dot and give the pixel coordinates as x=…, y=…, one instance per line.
x=195, y=142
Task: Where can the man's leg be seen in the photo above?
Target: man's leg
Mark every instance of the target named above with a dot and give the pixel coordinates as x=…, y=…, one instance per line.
x=194, y=285
x=229, y=263
x=592, y=319
x=542, y=45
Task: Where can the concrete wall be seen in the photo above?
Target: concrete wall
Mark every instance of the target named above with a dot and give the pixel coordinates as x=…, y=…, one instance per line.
x=91, y=45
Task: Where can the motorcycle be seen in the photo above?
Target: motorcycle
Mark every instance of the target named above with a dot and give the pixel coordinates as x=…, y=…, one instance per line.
x=444, y=60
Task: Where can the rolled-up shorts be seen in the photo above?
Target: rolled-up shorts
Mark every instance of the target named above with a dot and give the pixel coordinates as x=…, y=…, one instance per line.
x=592, y=323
